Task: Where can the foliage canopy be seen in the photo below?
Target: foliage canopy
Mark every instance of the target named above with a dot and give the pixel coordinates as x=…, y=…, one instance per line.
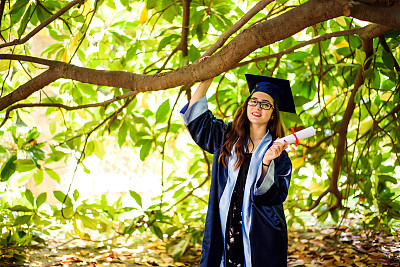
x=98, y=75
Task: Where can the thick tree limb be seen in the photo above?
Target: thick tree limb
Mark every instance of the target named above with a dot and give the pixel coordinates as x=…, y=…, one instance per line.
x=32, y=86
x=314, y=40
x=254, y=37
x=379, y=2
x=42, y=25
x=379, y=14
x=343, y=127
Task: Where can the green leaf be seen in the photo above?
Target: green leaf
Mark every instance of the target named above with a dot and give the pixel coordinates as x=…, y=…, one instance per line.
x=167, y=41
x=145, y=149
x=23, y=179
x=29, y=196
x=300, y=100
x=157, y=231
x=180, y=248
x=281, y=2
x=20, y=208
x=151, y=3
x=56, y=155
x=88, y=89
x=52, y=49
x=387, y=178
x=88, y=222
x=137, y=197
x=8, y=168
x=388, y=60
x=99, y=150
x=68, y=212
x=25, y=20
x=194, y=53
x=2, y=150
x=52, y=174
x=75, y=195
x=19, y=4
x=60, y=196
x=24, y=165
x=22, y=219
x=171, y=10
x=162, y=112
x=42, y=15
x=360, y=56
x=199, y=32
x=122, y=132
x=41, y=199
x=377, y=161
x=335, y=215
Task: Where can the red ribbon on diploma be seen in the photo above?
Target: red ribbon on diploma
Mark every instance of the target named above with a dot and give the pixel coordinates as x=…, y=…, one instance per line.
x=295, y=136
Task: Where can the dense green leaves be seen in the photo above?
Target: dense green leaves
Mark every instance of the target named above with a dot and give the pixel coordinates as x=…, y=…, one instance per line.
x=146, y=37
x=137, y=197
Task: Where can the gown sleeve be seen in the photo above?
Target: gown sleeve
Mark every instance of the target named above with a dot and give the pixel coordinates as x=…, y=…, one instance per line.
x=273, y=188
x=207, y=131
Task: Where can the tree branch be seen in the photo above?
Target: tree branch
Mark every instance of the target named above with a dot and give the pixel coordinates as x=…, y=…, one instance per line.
x=86, y=30
x=237, y=26
x=254, y=37
x=58, y=105
x=29, y=88
x=2, y=5
x=343, y=127
x=42, y=25
x=185, y=28
x=380, y=14
x=183, y=43
x=51, y=14
x=371, y=31
x=41, y=61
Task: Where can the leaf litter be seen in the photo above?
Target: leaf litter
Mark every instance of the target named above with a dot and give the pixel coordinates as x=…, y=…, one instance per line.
x=312, y=246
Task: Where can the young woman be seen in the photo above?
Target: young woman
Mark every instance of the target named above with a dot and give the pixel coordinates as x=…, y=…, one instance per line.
x=245, y=223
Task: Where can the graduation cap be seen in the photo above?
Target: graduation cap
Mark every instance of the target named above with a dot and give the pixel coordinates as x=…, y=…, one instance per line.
x=278, y=89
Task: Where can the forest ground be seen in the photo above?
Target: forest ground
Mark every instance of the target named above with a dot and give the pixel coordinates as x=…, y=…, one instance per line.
x=313, y=246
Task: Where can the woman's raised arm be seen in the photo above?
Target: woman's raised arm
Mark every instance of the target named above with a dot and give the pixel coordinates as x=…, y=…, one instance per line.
x=200, y=91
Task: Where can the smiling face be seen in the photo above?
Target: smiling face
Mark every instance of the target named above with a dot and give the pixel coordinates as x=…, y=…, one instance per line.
x=257, y=115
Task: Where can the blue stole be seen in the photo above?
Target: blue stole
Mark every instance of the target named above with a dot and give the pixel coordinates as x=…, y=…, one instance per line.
x=254, y=172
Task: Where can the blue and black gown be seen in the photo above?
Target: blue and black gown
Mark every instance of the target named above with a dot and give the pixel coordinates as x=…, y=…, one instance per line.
x=233, y=235
x=264, y=230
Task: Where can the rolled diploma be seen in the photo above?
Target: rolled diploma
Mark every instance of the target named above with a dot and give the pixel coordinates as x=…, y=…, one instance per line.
x=305, y=133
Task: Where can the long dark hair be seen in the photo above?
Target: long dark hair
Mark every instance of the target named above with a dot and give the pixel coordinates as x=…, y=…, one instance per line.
x=239, y=134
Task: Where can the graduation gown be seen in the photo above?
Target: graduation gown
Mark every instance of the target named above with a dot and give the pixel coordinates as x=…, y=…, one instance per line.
x=263, y=219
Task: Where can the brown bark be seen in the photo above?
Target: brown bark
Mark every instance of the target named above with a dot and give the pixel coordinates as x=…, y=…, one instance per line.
x=343, y=127
x=185, y=28
x=256, y=36
x=378, y=13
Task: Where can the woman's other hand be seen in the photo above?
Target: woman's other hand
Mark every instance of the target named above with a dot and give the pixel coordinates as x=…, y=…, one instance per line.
x=274, y=151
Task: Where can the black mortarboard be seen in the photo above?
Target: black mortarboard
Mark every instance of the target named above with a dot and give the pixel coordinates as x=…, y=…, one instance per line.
x=278, y=89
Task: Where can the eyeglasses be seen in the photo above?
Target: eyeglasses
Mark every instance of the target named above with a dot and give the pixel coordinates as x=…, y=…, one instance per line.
x=263, y=105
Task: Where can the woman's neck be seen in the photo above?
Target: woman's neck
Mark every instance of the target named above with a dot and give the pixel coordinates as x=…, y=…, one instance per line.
x=256, y=134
